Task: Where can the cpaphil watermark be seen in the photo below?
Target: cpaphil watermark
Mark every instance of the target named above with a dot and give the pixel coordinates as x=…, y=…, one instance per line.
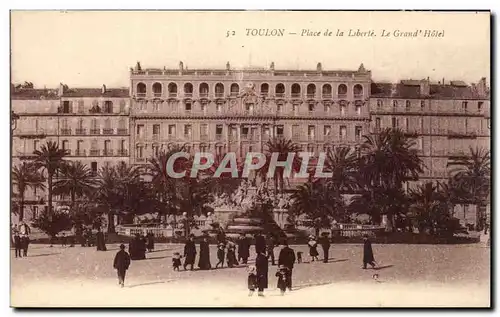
x=254, y=161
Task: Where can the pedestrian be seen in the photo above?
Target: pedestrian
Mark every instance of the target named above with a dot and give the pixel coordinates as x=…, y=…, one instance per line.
x=17, y=245
x=368, y=257
x=281, y=274
x=150, y=241
x=220, y=255
x=121, y=264
x=231, y=254
x=287, y=259
x=252, y=280
x=189, y=252
x=221, y=236
x=63, y=239
x=262, y=266
x=100, y=240
x=137, y=248
x=204, y=261
x=25, y=241
x=243, y=248
x=313, y=248
x=270, y=248
x=176, y=261
x=325, y=245
x=260, y=243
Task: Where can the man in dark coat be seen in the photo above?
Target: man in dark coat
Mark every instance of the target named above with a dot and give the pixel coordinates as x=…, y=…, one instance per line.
x=25, y=242
x=204, y=261
x=189, y=252
x=325, y=245
x=17, y=245
x=100, y=240
x=262, y=266
x=368, y=257
x=151, y=241
x=260, y=243
x=121, y=264
x=287, y=259
x=137, y=248
x=271, y=243
x=221, y=236
x=243, y=248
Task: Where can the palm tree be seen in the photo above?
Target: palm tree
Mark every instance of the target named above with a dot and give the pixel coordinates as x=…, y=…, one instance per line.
x=26, y=176
x=75, y=179
x=473, y=172
x=50, y=158
x=283, y=147
x=426, y=205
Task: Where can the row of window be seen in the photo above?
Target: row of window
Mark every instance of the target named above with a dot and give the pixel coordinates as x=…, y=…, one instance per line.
x=219, y=89
x=81, y=150
x=107, y=107
x=395, y=103
x=457, y=125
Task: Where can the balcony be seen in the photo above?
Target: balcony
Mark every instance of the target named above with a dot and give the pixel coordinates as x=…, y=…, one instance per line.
x=342, y=96
x=296, y=137
x=171, y=136
x=311, y=96
x=80, y=131
x=311, y=137
x=122, y=131
x=107, y=131
x=264, y=93
x=68, y=151
x=358, y=96
x=204, y=137
x=203, y=94
x=172, y=95
x=95, y=131
x=66, y=131
x=156, y=137
x=296, y=95
x=80, y=152
x=94, y=152
x=234, y=94
x=122, y=152
x=327, y=96
x=187, y=136
x=107, y=152
x=157, y=94
x=280, y=95
x=141, y=95
x=219, y=137
x=188, y=95
x=461, y=135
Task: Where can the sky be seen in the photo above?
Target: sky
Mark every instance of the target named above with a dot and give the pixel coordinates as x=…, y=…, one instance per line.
x=91, y=48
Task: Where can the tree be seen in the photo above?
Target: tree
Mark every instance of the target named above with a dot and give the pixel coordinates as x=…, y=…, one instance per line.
x=49, y=158
x=473, y=173
x=75, y=179
x=26, y=176
x=53, y=223
x=283, y=147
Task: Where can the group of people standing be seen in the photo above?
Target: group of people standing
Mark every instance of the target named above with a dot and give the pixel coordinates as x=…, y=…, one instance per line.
x=140, y=245
x=20, y=239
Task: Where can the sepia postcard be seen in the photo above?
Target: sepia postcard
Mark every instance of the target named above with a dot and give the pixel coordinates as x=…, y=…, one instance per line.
x=250, y=159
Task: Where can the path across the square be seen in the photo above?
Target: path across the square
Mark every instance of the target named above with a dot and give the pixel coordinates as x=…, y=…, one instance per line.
x=410, y=275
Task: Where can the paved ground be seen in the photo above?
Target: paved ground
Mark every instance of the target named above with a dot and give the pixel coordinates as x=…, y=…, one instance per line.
x=410, y=275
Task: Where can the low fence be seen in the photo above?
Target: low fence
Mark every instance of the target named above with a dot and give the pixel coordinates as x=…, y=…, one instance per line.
x=163, y=230
x=342, y=230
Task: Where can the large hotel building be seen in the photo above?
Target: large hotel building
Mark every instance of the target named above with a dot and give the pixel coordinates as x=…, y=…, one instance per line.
x=238, y=110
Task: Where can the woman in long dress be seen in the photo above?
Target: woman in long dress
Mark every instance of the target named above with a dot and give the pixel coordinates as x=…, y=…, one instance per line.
x=262, y=265
x=313, y=248
x=231, y=254
x=204, y=261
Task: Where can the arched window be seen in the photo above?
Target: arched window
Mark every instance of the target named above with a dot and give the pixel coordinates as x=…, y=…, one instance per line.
x=141, y=90
x=172, y=90
x=342, y=91
x=327, y=91
x=235, y=89
x=280, y=90
x=203, y=90
x=188, y=90
x=264, y=89
x=157, y=89
x=311, y=91
x=219, y=90
x=358, y=91
x=295, y=91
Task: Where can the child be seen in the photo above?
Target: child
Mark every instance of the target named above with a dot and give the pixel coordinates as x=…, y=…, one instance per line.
x=252, y=280
x=176, y=261
x=282, y=274
x=220, y=255
x=121, y=264
x=313, y=245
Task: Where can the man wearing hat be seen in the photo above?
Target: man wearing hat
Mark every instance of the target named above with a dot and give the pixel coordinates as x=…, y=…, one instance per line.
x=121, y=264
x=287, y=259
x=189, y=252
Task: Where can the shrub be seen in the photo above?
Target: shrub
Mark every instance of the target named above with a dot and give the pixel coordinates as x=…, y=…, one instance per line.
x=52, y=225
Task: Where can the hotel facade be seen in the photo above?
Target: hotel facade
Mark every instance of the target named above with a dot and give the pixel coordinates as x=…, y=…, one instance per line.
x=238, y=110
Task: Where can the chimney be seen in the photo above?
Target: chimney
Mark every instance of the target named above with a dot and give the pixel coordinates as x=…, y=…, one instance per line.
x=103, y=90
x=425, y=87
x=482, y=87
x=60, y=92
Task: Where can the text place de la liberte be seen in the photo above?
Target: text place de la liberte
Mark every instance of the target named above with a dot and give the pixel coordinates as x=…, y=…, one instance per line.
x=351, y=32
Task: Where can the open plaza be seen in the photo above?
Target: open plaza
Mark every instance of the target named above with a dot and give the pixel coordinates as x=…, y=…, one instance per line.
x=409, y=276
